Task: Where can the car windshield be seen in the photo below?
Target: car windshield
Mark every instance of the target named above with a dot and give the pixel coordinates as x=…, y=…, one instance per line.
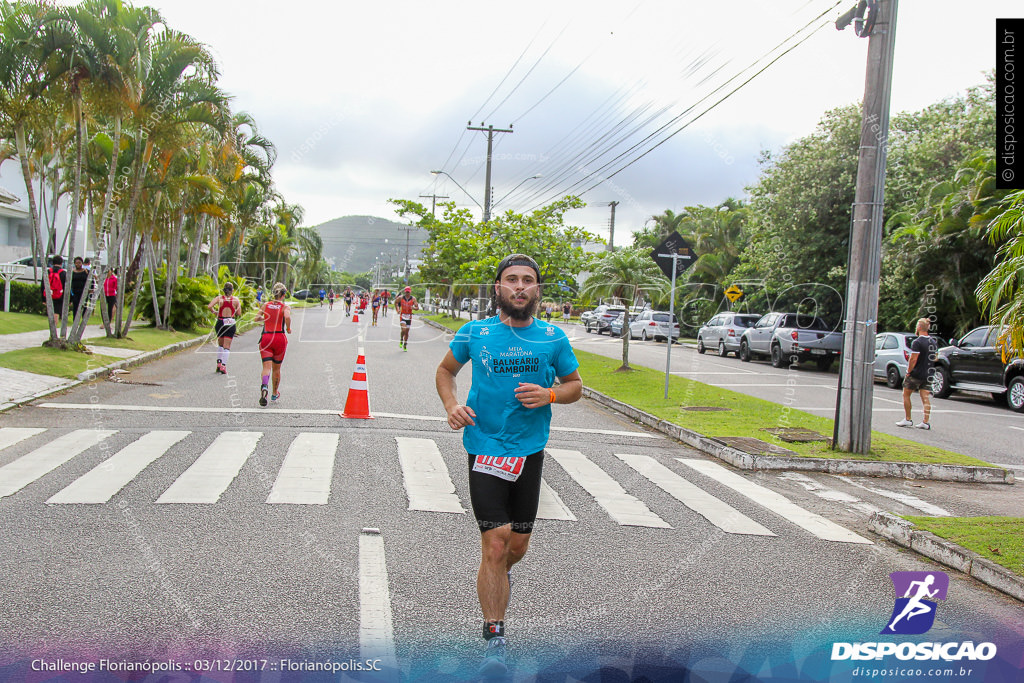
x=806, y=322
x=662, y=317
x=744, y=321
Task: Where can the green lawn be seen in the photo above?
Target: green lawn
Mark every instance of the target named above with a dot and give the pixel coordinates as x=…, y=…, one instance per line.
x=452, y=324
x=45, y=361
x=13, y=323
x=746, y=415
x=1000, y=539
x=146, y=339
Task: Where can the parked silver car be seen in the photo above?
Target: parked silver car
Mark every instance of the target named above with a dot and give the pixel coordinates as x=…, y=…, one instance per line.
x=654, y=325
x=723, y=332
x=892, y=355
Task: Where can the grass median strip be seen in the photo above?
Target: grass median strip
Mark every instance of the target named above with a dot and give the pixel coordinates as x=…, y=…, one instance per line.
x=744, y=416
x=1000, y=539
x=146, y=339
x=53, y=362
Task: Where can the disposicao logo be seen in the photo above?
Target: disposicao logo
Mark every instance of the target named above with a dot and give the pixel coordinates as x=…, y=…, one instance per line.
x=916, y=595
x=913, y=613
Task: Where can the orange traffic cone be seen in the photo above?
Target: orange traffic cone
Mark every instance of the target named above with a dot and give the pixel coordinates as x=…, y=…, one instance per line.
x=355, y=316
x=357, y=405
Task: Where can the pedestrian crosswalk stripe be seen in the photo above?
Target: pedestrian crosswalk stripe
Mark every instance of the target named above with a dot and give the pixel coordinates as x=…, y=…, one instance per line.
x=26, y=469
x=101, y=483
x=722, y=515
x=623, y=508
x=305, y=476
x=551, y=506
x=12, y=435
x=775, y=502
x=213, y=471
x=425, y=476
x=376, y=626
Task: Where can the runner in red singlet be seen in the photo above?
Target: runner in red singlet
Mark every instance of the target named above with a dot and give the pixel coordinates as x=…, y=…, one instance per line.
x=405, y=305
x=227, y=307
x=277, y=319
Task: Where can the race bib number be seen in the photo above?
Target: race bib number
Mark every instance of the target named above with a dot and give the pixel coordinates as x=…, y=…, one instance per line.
x=508, y=469
x=406, y=318
x=227, y=321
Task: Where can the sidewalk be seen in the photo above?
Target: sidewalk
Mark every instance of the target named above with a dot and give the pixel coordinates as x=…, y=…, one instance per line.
x=17, y=386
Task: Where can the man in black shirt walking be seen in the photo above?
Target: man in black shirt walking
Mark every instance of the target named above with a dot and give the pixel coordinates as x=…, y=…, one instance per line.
x=919, y=374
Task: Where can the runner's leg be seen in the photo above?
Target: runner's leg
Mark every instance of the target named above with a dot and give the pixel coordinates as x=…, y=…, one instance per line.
x=492, y=577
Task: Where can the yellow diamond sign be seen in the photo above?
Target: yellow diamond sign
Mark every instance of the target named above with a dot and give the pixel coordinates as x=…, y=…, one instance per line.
x=734, y=293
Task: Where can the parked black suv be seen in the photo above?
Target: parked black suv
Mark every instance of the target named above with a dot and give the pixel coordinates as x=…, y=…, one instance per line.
x=976, y=363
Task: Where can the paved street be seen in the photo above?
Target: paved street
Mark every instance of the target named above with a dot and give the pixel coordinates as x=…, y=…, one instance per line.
x=148, y=516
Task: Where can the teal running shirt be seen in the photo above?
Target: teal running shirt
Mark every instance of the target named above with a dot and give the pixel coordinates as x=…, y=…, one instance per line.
x=504, y=356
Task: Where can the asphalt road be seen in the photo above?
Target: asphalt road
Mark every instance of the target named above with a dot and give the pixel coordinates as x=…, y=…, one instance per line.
x=966, y=422
x=633, y=578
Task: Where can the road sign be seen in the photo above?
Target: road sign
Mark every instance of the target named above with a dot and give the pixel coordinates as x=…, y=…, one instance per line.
x=674, y=244
x=734, y=293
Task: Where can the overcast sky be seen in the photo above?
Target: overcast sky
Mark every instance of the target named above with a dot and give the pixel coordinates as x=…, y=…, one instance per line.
x=364, y=99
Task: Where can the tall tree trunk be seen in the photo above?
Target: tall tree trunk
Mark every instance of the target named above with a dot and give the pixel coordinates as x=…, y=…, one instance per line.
x=73, y=210
x=111, y=175
x=195, y=247
x=21, y=143
x=625, y=343
x=135, y=291
x=173, y=257
x=152, y=258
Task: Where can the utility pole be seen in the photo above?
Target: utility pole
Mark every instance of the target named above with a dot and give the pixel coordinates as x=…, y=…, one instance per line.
x=852, y=432
x=490, y=130
x=433, y=201
x=408, y=230
x=611, y=232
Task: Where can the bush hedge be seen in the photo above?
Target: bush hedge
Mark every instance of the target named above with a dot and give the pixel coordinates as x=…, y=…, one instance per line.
x=25, y=298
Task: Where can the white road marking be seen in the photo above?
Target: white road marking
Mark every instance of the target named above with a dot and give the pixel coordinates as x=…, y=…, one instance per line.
x=551, y=506
x=425, y=476
x=775, y=502
x=12, y=435
x=102, y=483
x=623, y=508
x=719, y=513
x=311, y=411
x=1006, y=466
x=791, y=385
x=685, y=373
x=822, y=491
x=1017, y=428
x=906, y=499
x=305, y=475
x=376, y=629
x=210, y=475
x=26, y=469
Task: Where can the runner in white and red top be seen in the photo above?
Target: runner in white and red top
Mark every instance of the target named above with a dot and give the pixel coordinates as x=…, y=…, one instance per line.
x=405, y=305
x=227, y=307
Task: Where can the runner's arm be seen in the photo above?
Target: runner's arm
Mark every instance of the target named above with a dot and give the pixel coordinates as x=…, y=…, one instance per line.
x=458, y=415
x=288, y=318
x=213, y=304
x=568, y=390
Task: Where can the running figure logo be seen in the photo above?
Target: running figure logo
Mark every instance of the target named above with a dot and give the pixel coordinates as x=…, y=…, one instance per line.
x=916, y=595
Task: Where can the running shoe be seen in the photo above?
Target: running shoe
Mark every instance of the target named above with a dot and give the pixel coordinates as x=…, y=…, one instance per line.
x=494, y=658
x=218, y=365
x=263, y=395
x=923, y=425
x=274, y=397
x=905, y=423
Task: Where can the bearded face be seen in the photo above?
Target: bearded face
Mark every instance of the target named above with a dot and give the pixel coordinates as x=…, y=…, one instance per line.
x=518, y=293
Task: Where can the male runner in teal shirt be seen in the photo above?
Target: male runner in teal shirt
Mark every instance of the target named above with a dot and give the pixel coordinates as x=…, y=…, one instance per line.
x=507, y=418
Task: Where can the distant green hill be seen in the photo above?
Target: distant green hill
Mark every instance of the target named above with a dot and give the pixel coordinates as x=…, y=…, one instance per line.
x=353, y=243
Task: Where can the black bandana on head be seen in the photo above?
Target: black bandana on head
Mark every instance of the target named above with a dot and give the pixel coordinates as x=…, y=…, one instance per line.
x=517, y=260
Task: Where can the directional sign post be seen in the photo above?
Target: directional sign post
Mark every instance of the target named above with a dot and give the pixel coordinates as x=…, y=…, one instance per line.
x=674, y=255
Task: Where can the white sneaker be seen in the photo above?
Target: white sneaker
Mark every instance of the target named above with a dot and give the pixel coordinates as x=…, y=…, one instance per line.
x=923, y=425
x=905, y=423
x=494, y=664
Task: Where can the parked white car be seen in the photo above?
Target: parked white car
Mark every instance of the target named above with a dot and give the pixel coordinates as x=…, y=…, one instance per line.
x=654, y=325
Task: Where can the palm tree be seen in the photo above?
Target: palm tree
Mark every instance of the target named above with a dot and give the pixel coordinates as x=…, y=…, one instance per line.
x=1001, y=292
x=625, y=275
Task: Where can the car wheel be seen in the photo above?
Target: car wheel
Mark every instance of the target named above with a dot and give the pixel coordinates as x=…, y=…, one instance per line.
x=1015, y=394
x=587, y=328
x=700, y=345
x=824, y=364
x=744, y=351
x=778, y=360
x=940, y=383
x=892, y=377
x=721, y=349
x=643, y=335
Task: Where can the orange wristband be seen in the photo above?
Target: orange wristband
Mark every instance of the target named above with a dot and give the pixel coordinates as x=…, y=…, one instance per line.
x=552, y=395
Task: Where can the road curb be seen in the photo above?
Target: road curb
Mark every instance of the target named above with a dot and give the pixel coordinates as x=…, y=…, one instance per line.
x=736, y=458
x=906, y=534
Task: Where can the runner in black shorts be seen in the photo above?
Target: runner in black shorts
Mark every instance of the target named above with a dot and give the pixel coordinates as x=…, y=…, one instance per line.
x=507, y=418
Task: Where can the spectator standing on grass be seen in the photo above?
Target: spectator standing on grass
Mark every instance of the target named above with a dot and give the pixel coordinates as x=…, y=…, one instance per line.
x=79, y=279
x=110, y=291
x=920, y=368
x=58, y=280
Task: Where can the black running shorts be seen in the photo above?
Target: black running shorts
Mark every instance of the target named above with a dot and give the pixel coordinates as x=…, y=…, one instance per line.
x=222, y=330
x=497, y=502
